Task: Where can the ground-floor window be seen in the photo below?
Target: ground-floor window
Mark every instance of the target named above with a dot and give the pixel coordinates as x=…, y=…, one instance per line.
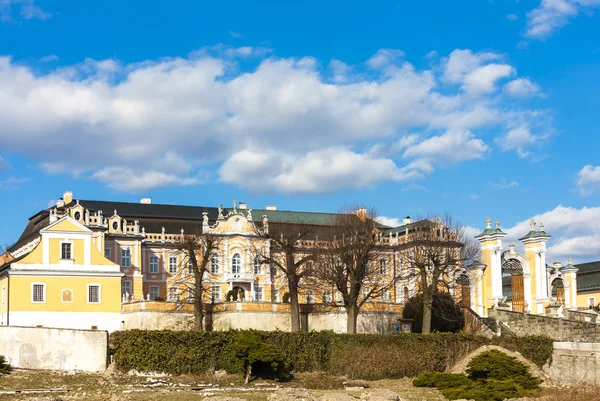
x=126, y=288
x=173, y=294
x=327, y=297
x=38, y=292
x=154, y=292
x=258, y=293
x=93, y=293
x=215, y=293
x=592, y=301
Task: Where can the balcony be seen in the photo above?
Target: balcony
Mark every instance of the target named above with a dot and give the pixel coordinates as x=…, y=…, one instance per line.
x=239, y=277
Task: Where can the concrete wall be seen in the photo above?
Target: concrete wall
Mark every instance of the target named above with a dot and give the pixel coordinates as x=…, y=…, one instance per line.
x=267, y=320
x=54, y=349
x=574, y=363
x=560, y=329
x=156, y=320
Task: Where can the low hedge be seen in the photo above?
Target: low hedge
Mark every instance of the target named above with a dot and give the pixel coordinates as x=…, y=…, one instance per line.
x=362, y=356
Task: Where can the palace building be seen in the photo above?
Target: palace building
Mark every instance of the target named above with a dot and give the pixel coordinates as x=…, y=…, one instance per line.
x=85, y=263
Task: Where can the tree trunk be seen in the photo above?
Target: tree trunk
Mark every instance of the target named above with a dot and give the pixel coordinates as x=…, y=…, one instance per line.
x=198, y=316
x=294, y=308
x=427, y=307
x=248, y=373
x=351, y=319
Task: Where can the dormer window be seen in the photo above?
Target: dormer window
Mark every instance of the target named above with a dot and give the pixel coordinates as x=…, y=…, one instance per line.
x=115, y=226
x=77, y=215
x=65, y=251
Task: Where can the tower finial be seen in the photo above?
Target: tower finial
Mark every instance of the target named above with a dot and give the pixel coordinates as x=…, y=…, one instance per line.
x=488, y=223
x=532, y=224
x=541, y=227
x=497, y=223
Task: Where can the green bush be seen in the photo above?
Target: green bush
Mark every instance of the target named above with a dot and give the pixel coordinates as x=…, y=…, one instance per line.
x=492, y=375
x=285, y=298
x=5, y=367
x=362, y=356
x=254, y=356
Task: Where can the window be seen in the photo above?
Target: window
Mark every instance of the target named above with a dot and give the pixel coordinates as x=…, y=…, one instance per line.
x=406, y=294
x=126, y=288
x=385, y=296
x=154, y=292
x=274, y=295
x=383, y=267
x=214, y=263
x=126, y=257
x=309, y=297
x=327, y=297
x=172, y=264
x=258, y=293
x=215, y=293
x=93, y=293
x=190, y=267
x=65, y=250
x=173, y=294
x=592, y=301
x=107, y=252
x=190, y=295
x=153, y=264
x=257, y=266
x=38, y=293
x=236, y=263
x=365, y=292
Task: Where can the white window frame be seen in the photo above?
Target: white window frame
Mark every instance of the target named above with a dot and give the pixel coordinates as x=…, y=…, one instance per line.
x=327, y=296
x=593, y=303
x=257, y=267
x=190, y=268
x=123, y=250
x=172, y=299
x=87, y=293
x=70, y=249
x=260, y=291
x=310, y=297
x=239, y=265
x=130, y=287
x=215, y=265
x=275, y=295
x=385, y=296
x=383, y=267
x=152, y=298
x=43, y=292
x=171, y=258
x=156, y=269
x=218, y=291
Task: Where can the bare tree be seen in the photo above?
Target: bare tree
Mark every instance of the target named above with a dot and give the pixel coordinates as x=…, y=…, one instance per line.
x=197, y=251
x=350, y=262
x=435, y=249
x=286, y=251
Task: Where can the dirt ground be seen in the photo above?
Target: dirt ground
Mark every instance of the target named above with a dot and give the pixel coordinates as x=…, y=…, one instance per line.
x=20, y=385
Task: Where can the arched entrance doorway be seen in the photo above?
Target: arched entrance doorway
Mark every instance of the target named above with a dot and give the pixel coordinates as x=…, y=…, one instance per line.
x=514, y=268
x=558, y=290
x=464, y=288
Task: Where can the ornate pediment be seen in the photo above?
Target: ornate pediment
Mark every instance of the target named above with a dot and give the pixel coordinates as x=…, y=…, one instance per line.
x=234, y=223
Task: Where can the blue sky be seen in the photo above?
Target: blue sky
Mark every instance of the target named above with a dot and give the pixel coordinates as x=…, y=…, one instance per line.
x=478, y=108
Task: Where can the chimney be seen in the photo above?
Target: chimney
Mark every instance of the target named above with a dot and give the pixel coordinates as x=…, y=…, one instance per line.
x=271, y=207
x=60, y=203
x=242, y=205
x=362, y=213
x=406, y=220
x=68, y=197
x=146, y=201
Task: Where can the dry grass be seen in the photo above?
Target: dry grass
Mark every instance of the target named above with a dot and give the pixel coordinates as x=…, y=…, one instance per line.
x=578, y=393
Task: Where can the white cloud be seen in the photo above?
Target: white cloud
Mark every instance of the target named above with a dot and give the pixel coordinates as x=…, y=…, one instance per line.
x=475, y=71
x=12, y=182
x=235, y=35
x=389, y=221
x=127, y=180
x=506, y=185
x=588, y=180
x=473, y=196
x=27, y=9
x=551, y=15
x=384, y=57
x=575, y=233
x=518, y=139
x=4, y=164
x=512, y=17
x=282, y=126
x=521, y=87
x=49, y=58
